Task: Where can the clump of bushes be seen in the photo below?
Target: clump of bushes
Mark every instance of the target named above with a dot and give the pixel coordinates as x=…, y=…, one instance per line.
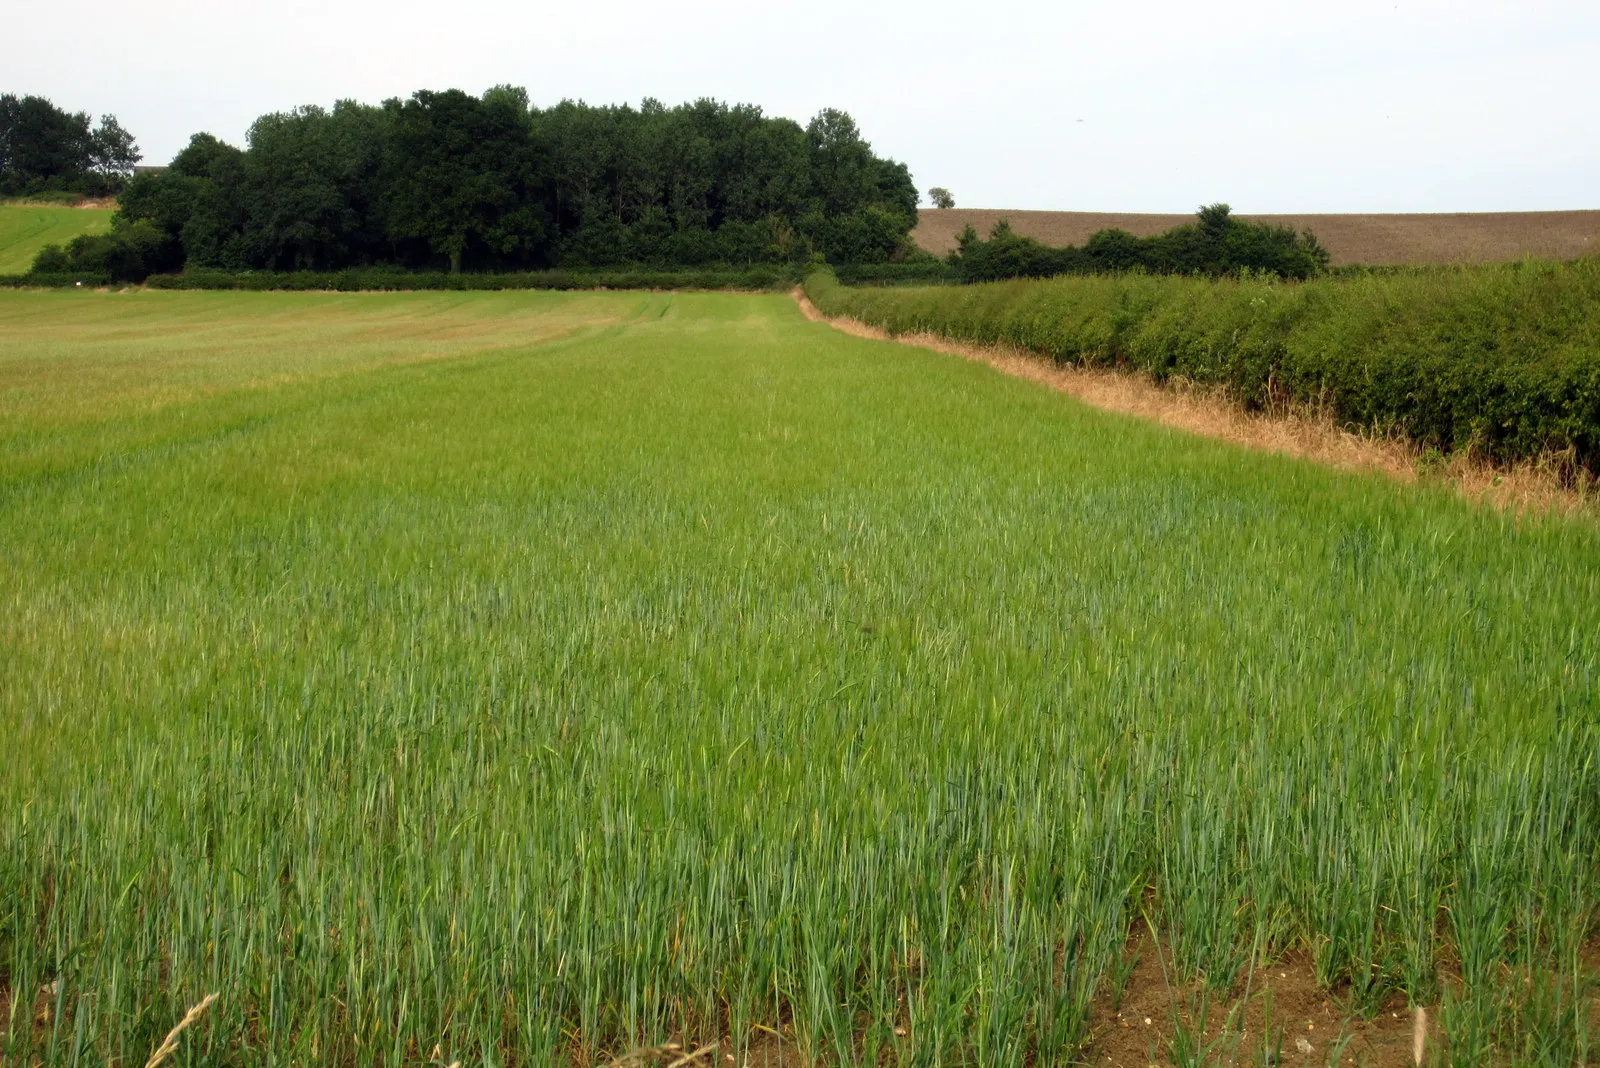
x=1216, y=243
x=57, y=197
x=1500, y=360
x=129, y=252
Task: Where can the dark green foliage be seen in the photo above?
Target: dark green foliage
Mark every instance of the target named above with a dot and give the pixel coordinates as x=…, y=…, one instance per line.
x=51, y=280
x=198, y=202
x=131, y=252
x=309, y=194
x=915, y=270
x=463, y=174
x=760, y=277
x=1007, y=254
x=447, y=180
x=1500, y=360
x=1215, y=244
x=44, y=149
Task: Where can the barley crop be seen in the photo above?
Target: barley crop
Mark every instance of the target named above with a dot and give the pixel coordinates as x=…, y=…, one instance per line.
x=536, y=678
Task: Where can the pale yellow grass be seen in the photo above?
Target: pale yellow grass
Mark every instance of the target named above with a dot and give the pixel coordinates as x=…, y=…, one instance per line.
x=169, y=1045
x=78, y=365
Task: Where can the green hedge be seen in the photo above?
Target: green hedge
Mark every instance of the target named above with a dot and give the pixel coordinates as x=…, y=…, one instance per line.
x=1503, y=360
x=751, y=278
x=52, y=280
x=914, y=272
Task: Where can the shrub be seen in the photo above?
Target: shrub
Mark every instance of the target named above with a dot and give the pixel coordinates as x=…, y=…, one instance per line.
x=51, y=280
x=63, y=197
x=130, y=252
x=1215, y=244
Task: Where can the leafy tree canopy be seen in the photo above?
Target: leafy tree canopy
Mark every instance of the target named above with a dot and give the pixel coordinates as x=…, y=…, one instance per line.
x=447, y=179
x=45, y=149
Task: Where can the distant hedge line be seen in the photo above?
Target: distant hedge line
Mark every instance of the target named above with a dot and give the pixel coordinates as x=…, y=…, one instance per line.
x=51, y=280
x=927, y=271
x=1501, y=360
x=760, y=277
x=1217, y=243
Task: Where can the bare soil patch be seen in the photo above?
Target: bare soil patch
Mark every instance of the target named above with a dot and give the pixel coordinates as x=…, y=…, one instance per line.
x=1275, y=1007
x=1290, y=431
x=1468, y=237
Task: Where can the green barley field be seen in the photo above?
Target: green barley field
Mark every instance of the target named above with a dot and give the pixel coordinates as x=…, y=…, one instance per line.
x=527, y=678
x=27, y=228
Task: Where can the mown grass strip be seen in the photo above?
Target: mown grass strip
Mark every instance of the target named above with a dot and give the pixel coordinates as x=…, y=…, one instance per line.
x=27, y=228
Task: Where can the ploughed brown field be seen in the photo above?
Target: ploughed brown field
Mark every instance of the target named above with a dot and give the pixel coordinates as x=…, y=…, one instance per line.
x=1444, y=238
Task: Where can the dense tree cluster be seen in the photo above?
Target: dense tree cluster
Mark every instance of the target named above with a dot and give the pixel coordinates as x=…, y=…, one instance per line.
x=1216, y=243
x=446, y=179
x=46, y=150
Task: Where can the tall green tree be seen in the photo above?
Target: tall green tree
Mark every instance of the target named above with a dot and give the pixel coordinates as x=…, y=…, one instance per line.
x=312, y=183
x=445, y=177
x=843, y=168
x=199, y=203
x=45, y=149
x=462, y=176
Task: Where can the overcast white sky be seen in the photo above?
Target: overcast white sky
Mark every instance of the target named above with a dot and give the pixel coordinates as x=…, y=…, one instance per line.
x=1138, y=105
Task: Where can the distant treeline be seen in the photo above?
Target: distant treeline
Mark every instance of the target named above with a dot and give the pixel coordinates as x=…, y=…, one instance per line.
x=1215, y=244
x=45, y=150
x=446, y=180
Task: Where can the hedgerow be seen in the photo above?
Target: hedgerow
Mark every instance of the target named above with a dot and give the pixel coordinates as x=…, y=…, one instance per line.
x=1502, y=361
x=1215, y=244
x=924, y=270
x=765, y=276
x=52, y=280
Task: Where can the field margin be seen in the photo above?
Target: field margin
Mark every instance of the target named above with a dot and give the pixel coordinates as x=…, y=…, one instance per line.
x=1301, y=431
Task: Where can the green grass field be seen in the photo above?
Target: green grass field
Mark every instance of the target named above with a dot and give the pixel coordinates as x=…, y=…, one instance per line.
x=27, y=228
x=524, y=678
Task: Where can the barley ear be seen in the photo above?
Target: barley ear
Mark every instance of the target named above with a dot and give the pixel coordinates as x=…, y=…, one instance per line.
x=169, y=1045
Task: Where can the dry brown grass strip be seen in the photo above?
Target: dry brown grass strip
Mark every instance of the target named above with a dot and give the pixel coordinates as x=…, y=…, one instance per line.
x=1549, y=484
